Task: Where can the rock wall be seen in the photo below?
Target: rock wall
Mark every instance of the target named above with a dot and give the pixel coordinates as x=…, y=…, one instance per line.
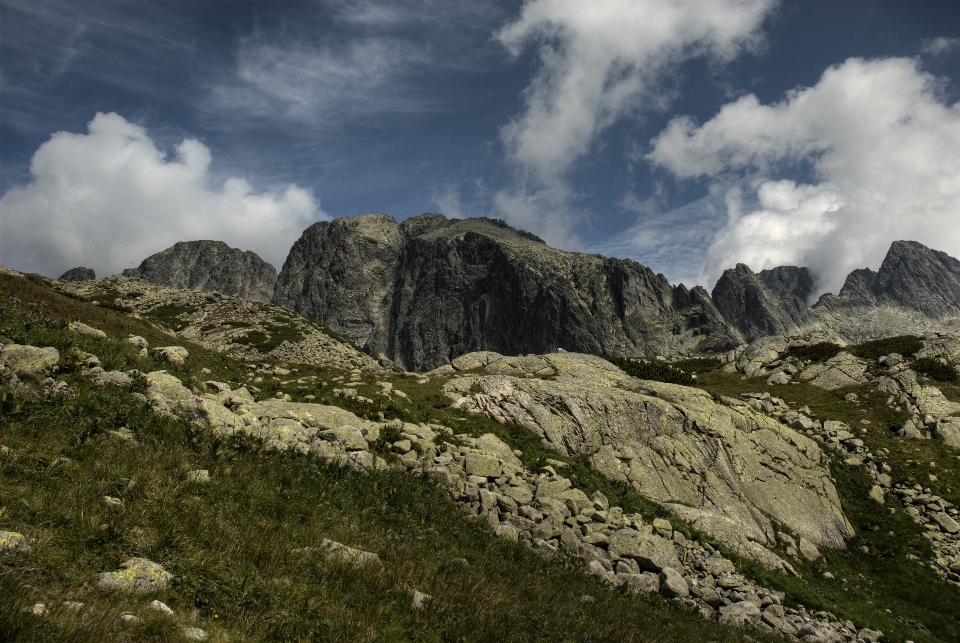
x=431, y=289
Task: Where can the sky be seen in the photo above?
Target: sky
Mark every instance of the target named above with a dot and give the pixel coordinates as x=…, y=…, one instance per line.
x=687, y=135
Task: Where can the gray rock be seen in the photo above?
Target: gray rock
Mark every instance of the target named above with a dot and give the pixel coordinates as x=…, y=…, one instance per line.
x=136, y=575
x=13, y=541
x=23, y=359
x=739, y=614
x=209, y=266
x=673, y=584
x=82, y=329
x=503, y=290
x=645, y=582
x=78, y=274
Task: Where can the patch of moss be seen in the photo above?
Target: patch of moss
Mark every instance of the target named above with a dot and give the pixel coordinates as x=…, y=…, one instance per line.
x=172, y=315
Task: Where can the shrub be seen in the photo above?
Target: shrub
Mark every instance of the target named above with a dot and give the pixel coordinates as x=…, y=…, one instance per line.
x=647, y=370
x=906, y=345
x=819, y=352
x=935, y=369
x=697, y=364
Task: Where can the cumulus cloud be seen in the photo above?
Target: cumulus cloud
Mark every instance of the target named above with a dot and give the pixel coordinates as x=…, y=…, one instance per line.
x=110, y=198
x=884, y=149
x=600, y=62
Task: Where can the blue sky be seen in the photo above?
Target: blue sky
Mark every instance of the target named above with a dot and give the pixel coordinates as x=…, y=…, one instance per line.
x=685, y=135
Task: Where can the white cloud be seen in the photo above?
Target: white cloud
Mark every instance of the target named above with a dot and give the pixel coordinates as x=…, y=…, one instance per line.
x=109, y=198
x=883, y=146
x=940, y=46
x=600, y=62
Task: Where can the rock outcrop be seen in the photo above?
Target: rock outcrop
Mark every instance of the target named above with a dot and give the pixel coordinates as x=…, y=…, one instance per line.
x=726, y=469
x=78, y=274
x=430, y=289
x=209, y=266
x=755, y=309
x=226, y=324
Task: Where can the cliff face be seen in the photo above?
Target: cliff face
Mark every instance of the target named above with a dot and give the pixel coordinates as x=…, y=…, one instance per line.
x=765, y=304
x=431, y=289
x=209, y=266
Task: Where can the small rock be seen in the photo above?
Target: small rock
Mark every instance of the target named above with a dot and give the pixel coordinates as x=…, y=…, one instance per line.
x=128, y=618
x=113, y=502
x=663, y=527
x=739, y=614
x=38, y=609
x=869, y=636
x=809, y=550
x=138, y=342
x=13, y=541
x=420, y=599
x=176, y=355
x=82, y=329
x=828, y=575
x=194, y=634
x=162, y=608
x=200, y=475
x=876, y=494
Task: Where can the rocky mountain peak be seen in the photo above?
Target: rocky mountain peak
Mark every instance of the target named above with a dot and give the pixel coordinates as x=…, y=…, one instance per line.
x=209, y=266
x=754, y=308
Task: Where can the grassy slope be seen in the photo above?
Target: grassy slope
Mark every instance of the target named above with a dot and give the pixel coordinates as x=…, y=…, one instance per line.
x=921, y=606
x=229, y=542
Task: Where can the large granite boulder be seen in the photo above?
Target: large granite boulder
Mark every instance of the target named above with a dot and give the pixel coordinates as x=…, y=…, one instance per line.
x=728, y=470
x=209, y=266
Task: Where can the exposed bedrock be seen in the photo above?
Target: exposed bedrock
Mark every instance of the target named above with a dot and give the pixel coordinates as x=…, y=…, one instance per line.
x=729, y=470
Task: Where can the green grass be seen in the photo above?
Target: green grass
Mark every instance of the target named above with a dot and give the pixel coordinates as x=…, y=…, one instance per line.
x=229, y=543
x=172, y=315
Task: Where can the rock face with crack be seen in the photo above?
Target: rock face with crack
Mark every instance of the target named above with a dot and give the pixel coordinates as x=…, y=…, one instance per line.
x=209, y=266
x=428, y=290
x=727, y=470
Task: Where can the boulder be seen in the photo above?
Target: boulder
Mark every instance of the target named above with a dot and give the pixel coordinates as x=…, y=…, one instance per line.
x=176, y=355
x=843, y=369
x=136, y=575
x=739, y=614
x=23, y=359
x=652, y=553
x=673, y=584
x=342, y=553
x=82, y=329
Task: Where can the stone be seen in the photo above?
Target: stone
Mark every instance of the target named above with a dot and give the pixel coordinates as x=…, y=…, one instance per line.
x=114, y=378
x=82, y=329
x=342, y=553
x=129, y=618
x=23, y=359
x=652, y=553
x=947, y=431
x=176, y=355
x=808, y=550
x=739, y=614
x=869, y=636
x=200, y=475
x=663, y=527
x=194, y=634
x=645, y=582
x=876, y=494
x=136, y=575
x=13, y=541
x=946, y=523
x=420, y=599
x=673, y=584
x=138, y=342
x=163, y=608
x=843, y=369
x=476, y=464
x=350, y=437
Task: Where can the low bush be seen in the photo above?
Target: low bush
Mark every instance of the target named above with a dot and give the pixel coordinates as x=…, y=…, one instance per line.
x=906, y=345
x=935, y=369
x=649, y=370
x=819, y=352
